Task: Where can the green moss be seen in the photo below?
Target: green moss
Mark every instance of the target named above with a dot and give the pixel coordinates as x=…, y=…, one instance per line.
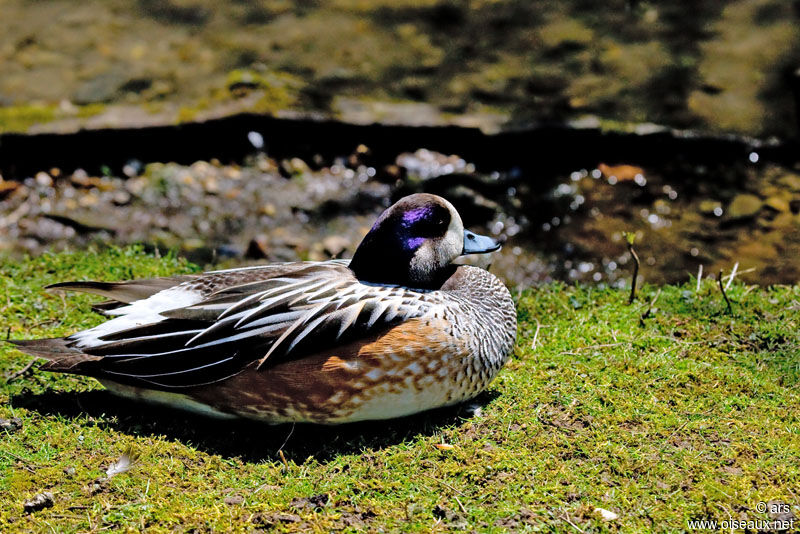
x=20, y=118
x=691, y=414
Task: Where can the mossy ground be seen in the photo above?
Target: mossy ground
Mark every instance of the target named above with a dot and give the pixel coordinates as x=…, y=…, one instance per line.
x=690, y=413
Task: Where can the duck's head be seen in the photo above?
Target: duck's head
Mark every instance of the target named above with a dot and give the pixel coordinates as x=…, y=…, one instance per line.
x=414, y=241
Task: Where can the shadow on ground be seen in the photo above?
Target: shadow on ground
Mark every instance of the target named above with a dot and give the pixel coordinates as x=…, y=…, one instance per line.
x=249, y=440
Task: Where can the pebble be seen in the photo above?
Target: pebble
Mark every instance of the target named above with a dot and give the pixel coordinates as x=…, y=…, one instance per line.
x=43, y=179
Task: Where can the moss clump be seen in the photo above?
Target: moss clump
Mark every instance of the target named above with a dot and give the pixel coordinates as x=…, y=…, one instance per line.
x=20, y=118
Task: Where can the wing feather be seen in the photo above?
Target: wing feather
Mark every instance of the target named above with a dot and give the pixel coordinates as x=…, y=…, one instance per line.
x=290, y=312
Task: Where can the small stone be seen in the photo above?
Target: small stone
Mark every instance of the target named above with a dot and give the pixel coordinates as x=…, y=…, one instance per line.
x=744, y=206
x=294, y=167
x=121, y=198
x=211, y=185
x=606, y=515
x=269, y=209
x=39, y=501
x=43, y=179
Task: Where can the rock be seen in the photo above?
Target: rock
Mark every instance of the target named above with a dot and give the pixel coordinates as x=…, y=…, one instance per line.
x=43, y=179
x=778, y=204
x=294, y=167
x=39, y=501
x=269, y=209
x=121, y=198
x=744, y=206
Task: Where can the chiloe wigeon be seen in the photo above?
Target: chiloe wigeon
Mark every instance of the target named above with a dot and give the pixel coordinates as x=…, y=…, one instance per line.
x=396, y=330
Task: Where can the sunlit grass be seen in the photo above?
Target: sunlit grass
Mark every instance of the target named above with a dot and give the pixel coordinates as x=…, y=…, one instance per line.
x=694, y=414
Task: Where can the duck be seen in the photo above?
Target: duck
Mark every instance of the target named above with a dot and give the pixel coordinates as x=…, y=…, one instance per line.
x=398, y=329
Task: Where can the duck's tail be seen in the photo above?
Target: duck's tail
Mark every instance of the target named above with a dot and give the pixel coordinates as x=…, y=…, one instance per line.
x=61, y=356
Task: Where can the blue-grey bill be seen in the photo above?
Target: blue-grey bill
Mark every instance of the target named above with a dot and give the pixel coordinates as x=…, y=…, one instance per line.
x=479, y=244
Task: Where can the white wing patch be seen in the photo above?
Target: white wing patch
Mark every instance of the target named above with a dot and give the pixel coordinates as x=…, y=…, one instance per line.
x=138, y=313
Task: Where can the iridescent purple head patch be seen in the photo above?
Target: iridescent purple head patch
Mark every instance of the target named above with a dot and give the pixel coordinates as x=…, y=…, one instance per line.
x=412, y=243
x=412, y=216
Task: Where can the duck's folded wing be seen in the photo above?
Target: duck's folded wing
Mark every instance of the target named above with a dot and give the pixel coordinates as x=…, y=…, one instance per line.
x=260, y=322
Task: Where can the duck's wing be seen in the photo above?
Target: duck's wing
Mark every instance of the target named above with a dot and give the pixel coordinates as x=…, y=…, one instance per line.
x=213, y=336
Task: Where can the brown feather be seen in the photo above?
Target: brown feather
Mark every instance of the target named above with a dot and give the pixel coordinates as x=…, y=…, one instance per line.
x=62, y=356
x=126, y=292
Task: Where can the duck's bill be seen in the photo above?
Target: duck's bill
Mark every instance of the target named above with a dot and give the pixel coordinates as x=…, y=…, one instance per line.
x=479, y=244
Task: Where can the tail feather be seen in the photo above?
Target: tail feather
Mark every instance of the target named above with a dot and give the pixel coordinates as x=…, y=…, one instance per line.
x=62, y=357
x=126, y=292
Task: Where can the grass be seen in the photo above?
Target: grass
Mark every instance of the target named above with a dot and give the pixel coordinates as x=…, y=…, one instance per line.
x=692, y=413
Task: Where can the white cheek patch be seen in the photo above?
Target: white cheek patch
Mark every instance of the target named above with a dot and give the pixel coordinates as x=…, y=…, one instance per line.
x=453, y=242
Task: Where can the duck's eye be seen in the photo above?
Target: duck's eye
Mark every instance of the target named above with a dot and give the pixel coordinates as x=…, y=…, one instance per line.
x=430, y=227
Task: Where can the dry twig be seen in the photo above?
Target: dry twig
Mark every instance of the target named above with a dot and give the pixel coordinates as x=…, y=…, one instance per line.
x=630, y=237
x=17, y=374
x=725, y=296
x=699, y=278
